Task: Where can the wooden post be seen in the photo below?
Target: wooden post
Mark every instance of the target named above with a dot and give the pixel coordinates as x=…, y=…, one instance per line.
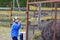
x=55, y=21
x=35, y=9
x=27, y=16
x=11, y=15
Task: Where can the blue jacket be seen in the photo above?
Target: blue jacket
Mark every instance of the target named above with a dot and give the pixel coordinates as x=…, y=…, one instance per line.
x=15, y=29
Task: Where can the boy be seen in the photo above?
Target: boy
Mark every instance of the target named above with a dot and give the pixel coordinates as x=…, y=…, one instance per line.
x=15, y=28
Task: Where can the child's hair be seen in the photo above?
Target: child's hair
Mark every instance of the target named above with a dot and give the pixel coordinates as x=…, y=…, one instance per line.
x=15, y=18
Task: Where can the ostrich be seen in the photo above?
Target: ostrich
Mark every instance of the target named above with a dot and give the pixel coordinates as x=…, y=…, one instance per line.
x=48, y=30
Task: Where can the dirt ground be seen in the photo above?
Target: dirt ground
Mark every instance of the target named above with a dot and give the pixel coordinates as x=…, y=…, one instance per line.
x=5, y=33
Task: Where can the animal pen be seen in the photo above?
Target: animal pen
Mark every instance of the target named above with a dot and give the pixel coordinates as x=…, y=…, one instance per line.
x=45, y=20
x=5, y=11
x=9, y=10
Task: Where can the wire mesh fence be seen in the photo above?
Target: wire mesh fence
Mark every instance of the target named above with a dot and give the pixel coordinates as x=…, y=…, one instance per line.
x=9, y=10
x=45, y=20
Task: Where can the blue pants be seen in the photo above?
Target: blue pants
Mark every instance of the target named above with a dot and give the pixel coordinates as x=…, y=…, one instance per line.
x=21, y=36
x=14, y=38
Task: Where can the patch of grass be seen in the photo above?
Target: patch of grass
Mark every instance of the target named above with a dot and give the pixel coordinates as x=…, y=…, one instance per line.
x=3, y=25
x=14, y=12
x=5, y=20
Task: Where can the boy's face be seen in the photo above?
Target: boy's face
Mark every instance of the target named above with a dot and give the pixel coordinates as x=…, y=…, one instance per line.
x=17, y=20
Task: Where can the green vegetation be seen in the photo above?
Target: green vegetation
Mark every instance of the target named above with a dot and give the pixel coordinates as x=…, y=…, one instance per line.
x=23, y=3
x=7, y=4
